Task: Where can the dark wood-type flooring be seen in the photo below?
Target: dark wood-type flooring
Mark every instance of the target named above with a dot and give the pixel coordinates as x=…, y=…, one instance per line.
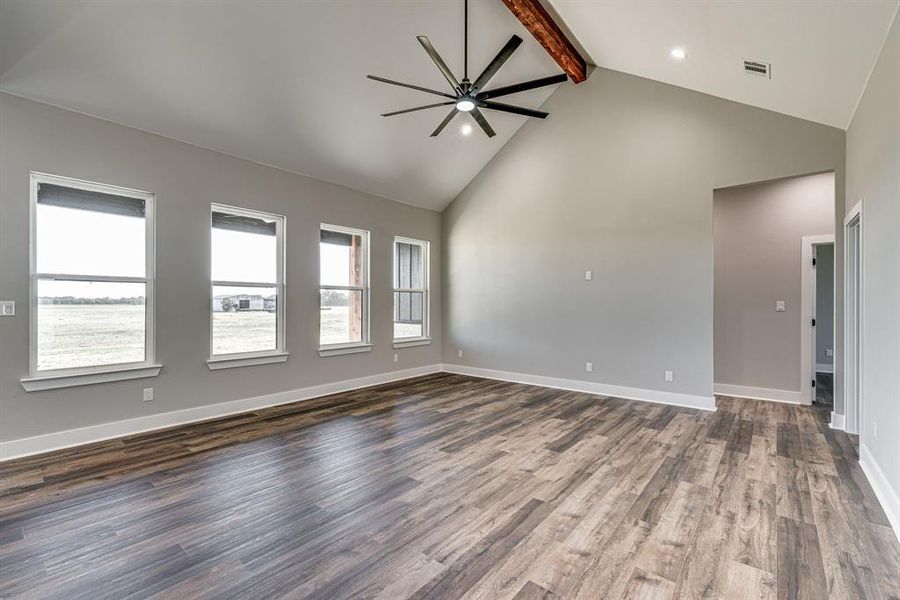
x=825, y=390
x=448, y=486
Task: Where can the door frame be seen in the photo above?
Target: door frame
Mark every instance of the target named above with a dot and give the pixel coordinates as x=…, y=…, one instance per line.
x=854, y=319
x=808, y=313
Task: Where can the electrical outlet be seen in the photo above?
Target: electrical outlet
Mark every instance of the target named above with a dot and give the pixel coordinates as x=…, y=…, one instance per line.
x=588, y=275
x=396, y=358
x=7, y=308
x=829, y=352
x=779, y=306
x=670, y=376
x=588, y=367
x=148, y=394
x=459, y=354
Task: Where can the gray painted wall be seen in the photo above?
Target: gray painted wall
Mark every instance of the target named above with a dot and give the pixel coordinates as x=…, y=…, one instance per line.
x=757, y=231
x=186, y=179
x=619, y=179
x=824, y=303
x=873, y=176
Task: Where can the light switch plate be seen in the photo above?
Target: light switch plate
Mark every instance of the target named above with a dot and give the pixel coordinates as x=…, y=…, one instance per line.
x=670, y=376
x=829, y=352
x=588, y=367
x=588, y=275
x=7, y=308
x=779, y=306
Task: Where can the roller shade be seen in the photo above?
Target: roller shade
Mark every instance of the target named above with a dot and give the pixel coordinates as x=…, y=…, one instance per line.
x=66, y=197
x=336, y=238
x=242, y=223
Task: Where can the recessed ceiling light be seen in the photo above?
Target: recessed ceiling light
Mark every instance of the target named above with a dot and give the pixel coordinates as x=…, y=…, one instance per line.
x=678, y=53
x=466, y=129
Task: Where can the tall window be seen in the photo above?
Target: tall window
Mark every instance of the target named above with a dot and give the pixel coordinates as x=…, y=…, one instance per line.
x=344, y=289
x=247, y=284
x=410, y=290
x=91, y=278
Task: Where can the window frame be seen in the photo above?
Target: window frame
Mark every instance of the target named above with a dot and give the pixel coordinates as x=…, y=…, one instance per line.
x=260, y=357
x=364, y=345
x=42, y=379
x=425, y=338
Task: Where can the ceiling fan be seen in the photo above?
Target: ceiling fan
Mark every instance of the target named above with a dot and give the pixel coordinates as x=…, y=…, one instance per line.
x=469, y=96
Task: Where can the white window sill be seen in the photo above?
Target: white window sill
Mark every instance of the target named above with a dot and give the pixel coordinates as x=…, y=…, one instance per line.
x=231, y=362
x=53, y=382
x=338, y=350
x=409, y=343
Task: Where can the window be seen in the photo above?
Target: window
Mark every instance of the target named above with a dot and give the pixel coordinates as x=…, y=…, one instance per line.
x=410, y=291
x=344, y=290
x=247, y=282
x=91, y=283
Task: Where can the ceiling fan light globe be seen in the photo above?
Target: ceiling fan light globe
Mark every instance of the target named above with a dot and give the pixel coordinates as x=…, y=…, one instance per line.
x=465, y=105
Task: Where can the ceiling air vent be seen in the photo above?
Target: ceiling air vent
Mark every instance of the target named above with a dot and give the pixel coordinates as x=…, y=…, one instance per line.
x=760, y=69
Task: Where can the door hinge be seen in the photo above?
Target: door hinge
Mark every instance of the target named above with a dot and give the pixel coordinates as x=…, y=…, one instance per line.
x=814, y=383
x=813, y=322
x=814, y=261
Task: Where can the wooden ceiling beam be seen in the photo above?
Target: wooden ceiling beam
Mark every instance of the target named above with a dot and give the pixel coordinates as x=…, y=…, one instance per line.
x=545, y=30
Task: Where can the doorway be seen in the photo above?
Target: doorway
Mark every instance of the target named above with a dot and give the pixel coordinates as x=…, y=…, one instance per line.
x=817, y=319
x=853, y=319
x=823, y=331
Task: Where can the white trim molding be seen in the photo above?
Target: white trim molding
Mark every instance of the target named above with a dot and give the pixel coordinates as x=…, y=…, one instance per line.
x=409, y=343
x=230, y=362
x=346, y=349
x=882, y=487
x=824, y=368
x=55, y=382
x=838, y=421
x=757, y=393
x=105, y=431
x=854, y=316
x=589, y=387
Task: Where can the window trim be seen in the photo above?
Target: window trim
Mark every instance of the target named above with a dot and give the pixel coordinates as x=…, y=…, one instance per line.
x=259, y=357
x=425, y=338
x=39, y=379
x=364, y=345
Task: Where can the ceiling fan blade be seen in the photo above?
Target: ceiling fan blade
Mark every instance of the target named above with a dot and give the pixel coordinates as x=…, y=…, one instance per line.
x=479, y=118
x=441, y=65
x=522, y=87
x=516, y=110
x=494, y=66
x=409, y=85
x=408, y=110
x=445, y=122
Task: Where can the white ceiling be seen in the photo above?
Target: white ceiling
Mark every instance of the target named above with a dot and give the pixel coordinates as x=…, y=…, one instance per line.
x=821, y=51
x=283, y=82
x=280, y=83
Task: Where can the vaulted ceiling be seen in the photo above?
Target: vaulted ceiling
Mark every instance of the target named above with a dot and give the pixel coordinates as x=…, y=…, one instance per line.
x=821, y=51
x=278, y=82
x=283, y=83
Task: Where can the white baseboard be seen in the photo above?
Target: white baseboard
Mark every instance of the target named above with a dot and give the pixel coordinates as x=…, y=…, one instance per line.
x=589, y=387
x=838, y=421
x=97, y=433
x=755, y=393
x=824, y=368
x=883, y=490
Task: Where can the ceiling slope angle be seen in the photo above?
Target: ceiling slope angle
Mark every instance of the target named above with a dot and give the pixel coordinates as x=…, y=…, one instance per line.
x=821, y=53
x=279, y=83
